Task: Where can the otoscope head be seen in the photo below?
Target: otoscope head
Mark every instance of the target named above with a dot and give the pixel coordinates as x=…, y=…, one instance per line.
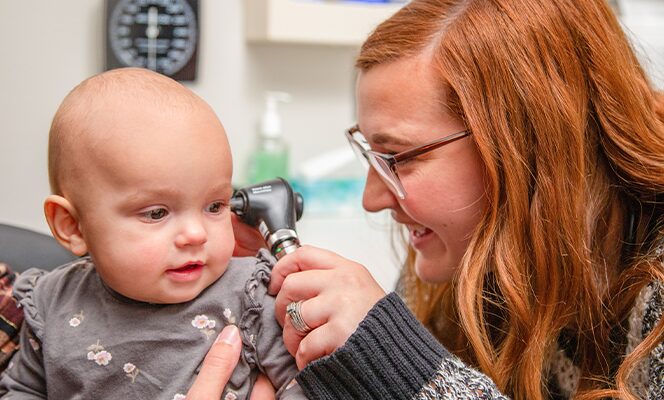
x=272, y=207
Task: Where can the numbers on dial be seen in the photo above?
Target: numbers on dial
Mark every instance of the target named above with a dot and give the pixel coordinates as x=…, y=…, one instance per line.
x=157, y=34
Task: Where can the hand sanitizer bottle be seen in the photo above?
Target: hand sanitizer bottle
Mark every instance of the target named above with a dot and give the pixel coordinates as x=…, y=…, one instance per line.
x=270, y=158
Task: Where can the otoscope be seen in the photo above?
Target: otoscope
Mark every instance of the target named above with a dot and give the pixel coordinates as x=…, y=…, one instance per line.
x=272, y=207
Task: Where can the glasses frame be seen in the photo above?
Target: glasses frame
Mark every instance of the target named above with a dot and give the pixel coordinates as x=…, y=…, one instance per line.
x=391, y=160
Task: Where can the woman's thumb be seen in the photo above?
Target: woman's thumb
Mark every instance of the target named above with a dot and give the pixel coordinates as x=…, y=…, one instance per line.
x=217, y=366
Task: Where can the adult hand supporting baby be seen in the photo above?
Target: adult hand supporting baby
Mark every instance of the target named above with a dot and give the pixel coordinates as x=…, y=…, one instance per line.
x=218, y=367
x=337, y=294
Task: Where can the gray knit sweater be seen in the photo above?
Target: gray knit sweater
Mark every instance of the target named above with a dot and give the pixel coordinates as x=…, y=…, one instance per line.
x=392, y=356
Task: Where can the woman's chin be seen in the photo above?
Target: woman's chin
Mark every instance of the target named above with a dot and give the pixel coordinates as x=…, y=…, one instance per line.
x=432, y=270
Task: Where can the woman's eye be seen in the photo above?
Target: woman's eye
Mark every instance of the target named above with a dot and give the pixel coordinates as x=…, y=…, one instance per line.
x=407, y=161
x=155, y=214
x=216, y=207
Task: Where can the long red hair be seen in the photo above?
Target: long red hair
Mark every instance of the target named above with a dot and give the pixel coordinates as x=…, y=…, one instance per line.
x=572, y=136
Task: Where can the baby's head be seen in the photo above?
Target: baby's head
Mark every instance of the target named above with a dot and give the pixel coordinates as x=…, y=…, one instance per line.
x=140, y=169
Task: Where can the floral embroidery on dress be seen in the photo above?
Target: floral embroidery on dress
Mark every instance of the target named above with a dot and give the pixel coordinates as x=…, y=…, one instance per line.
x=229, y=316
x=76, y=320
x=179, y=396
x=230, y=396
x=97, y=354
x=131, y=371
x=205, y=324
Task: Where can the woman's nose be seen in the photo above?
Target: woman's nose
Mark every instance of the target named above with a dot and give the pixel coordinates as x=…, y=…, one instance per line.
x=192, y=233
x=377, y=196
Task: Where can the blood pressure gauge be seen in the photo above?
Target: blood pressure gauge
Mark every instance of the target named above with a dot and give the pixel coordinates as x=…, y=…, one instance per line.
x=161, y=35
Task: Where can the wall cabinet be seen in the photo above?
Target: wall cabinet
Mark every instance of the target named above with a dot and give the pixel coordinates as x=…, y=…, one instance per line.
x=314, y=22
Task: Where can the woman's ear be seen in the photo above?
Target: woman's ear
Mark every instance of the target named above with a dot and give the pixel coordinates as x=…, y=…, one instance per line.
x=63, y=221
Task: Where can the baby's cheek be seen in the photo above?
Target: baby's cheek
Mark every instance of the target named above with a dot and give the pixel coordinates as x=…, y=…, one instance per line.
x=147, y=253
x=222, y=246
x=221, y=234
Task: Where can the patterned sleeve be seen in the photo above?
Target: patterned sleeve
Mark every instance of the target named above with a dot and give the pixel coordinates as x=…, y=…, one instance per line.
x=24, y=376
x=11, y=316
x=392, y=356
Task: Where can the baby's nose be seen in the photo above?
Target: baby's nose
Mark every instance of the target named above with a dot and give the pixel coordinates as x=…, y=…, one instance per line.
x=193, y=233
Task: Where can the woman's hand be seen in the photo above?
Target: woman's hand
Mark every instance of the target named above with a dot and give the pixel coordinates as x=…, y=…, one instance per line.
x=337, y=294
x=218, y=367
x=247, y=239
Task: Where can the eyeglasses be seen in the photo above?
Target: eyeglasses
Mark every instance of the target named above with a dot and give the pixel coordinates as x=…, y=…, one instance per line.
x=386, y=164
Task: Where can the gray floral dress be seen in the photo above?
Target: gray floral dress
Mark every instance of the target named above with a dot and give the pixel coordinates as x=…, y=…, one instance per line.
x=82, y=340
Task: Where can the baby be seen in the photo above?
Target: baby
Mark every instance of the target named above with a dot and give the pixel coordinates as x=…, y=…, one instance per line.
x=140, y=170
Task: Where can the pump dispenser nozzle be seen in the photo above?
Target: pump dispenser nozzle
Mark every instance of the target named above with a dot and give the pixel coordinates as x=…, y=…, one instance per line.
x=270, y=157
x=271, y=122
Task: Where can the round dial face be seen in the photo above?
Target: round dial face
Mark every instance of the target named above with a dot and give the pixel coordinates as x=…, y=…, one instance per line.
x=159, y=35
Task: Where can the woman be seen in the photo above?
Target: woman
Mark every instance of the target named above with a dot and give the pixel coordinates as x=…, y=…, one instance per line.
x=535, y=215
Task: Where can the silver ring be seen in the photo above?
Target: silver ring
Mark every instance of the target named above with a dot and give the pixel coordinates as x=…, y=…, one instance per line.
x=293, y=311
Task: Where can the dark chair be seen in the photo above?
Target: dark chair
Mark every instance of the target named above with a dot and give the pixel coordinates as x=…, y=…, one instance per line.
x=22, y=249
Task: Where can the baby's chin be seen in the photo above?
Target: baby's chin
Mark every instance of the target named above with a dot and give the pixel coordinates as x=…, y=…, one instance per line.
x=171, y=296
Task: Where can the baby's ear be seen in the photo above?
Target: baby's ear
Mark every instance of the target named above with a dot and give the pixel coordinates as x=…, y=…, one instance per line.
x=63, y=221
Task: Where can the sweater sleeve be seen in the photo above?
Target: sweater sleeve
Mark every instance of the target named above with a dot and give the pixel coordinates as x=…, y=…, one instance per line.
x=652, y=316
x=392, y=356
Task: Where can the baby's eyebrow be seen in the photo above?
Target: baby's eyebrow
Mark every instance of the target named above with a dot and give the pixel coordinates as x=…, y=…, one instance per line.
x=152, y=192
x=225, y=188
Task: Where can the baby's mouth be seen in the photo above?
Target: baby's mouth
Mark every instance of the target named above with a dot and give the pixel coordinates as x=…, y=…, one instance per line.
x=187, y=267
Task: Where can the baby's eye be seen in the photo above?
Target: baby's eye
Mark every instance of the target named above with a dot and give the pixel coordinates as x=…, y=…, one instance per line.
x=215, y=207
x=156, y=214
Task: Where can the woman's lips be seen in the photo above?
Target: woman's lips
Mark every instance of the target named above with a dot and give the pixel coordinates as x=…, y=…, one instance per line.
x=419, y=236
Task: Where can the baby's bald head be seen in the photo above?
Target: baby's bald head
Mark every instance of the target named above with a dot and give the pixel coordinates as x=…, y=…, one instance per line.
x=85, y=127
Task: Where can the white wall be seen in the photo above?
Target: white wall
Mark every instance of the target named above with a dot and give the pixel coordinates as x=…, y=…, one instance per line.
x=47, y=47
x=643, y=20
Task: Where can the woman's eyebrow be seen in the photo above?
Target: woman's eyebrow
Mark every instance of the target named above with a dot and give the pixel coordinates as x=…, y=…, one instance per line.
x=385, y=138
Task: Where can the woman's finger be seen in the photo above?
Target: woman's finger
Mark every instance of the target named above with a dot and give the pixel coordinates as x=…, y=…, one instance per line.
x=217, y=366
x=292, y=337
x=318, y=343
x=263, y=389
x=303, y=259
x=316, y=311
x=299, y=286
x=336, y=295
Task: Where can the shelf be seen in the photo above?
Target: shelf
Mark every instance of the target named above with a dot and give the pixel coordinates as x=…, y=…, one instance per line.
x=314, y=22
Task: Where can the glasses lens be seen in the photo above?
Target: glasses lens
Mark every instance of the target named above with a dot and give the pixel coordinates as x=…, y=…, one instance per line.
x=362, y=149
x=382, y=166
x=358, y=149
